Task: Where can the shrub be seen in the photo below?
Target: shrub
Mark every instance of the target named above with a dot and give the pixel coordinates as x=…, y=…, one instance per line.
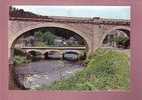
x=121, y=41
x=20, y=60
x=18, y=52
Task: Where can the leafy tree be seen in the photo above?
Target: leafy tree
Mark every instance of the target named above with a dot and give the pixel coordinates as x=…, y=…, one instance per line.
x=121, y=41
x=46, y=37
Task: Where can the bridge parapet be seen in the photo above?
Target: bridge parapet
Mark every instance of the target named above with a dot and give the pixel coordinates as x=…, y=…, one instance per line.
x=56, y=48
x=76, y=20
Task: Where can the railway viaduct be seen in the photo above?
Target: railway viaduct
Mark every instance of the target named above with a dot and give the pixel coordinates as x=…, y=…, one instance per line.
x=92, y=30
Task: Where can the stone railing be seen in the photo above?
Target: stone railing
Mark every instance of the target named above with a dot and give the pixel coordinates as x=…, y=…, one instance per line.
x=95, y=20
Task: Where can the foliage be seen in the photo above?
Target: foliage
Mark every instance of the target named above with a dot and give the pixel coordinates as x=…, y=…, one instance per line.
x=47, y=37
x=110, y=70
x=121, y=41
x=40, y=44
x=19, y=57
x=15, y=12
x=20, y=60
x=19, y=52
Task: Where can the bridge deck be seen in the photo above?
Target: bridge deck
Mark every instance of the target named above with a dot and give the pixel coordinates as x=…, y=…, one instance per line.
x=56, y=48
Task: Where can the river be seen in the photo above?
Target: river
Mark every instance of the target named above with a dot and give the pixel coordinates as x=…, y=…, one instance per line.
x=36, y=74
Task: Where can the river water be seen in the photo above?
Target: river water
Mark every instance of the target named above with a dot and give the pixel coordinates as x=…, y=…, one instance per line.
x=36, y=74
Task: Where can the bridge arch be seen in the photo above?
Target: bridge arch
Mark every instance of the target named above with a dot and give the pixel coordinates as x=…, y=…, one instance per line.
x=75, y=57
x=56, y=25
x=72, y=51
x=33, y=51
x=125, y=29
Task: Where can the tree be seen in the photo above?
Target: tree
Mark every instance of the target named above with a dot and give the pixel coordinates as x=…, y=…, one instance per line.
x=121, y=41
x=47, y=37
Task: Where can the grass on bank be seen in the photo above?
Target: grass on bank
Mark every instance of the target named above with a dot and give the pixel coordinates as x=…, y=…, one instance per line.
x=106, y=70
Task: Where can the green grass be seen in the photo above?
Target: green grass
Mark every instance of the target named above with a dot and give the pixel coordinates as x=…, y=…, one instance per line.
x=106, y=70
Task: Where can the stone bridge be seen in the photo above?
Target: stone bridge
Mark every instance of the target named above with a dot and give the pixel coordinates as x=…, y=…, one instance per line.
x=93, y=30
x=61, y=50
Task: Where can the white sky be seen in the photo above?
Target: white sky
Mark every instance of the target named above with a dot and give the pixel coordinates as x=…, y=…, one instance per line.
x=114, y=12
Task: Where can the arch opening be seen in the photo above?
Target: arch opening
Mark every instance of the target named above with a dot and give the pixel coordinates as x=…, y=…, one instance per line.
x=34, y=55
x=57, y=37
x=54, y=55
x=64, y=37
x=118, y=38
x=71, y=55
x=65, y=32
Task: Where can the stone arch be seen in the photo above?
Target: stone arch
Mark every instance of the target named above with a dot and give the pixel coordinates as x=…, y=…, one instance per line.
x=115, y=28
x=31, y=27
x=73, y=51
x=53, y=54
x=34, y=55
x=36, y=51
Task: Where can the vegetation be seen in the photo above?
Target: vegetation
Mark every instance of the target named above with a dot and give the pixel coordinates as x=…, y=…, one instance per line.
x=106, y=70
x=20, y=60
x=19, y=57
x=45, y=37
x=15, y=12
x=40, y=44
x=121, y=41
x=19, y=52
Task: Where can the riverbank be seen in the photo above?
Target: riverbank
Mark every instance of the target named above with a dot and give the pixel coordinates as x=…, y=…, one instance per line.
x=106, y=70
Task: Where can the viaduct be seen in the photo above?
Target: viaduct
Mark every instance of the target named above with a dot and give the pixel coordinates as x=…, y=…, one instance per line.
x=92, y=30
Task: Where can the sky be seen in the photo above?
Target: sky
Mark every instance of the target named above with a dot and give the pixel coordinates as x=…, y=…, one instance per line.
x=113, y=12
